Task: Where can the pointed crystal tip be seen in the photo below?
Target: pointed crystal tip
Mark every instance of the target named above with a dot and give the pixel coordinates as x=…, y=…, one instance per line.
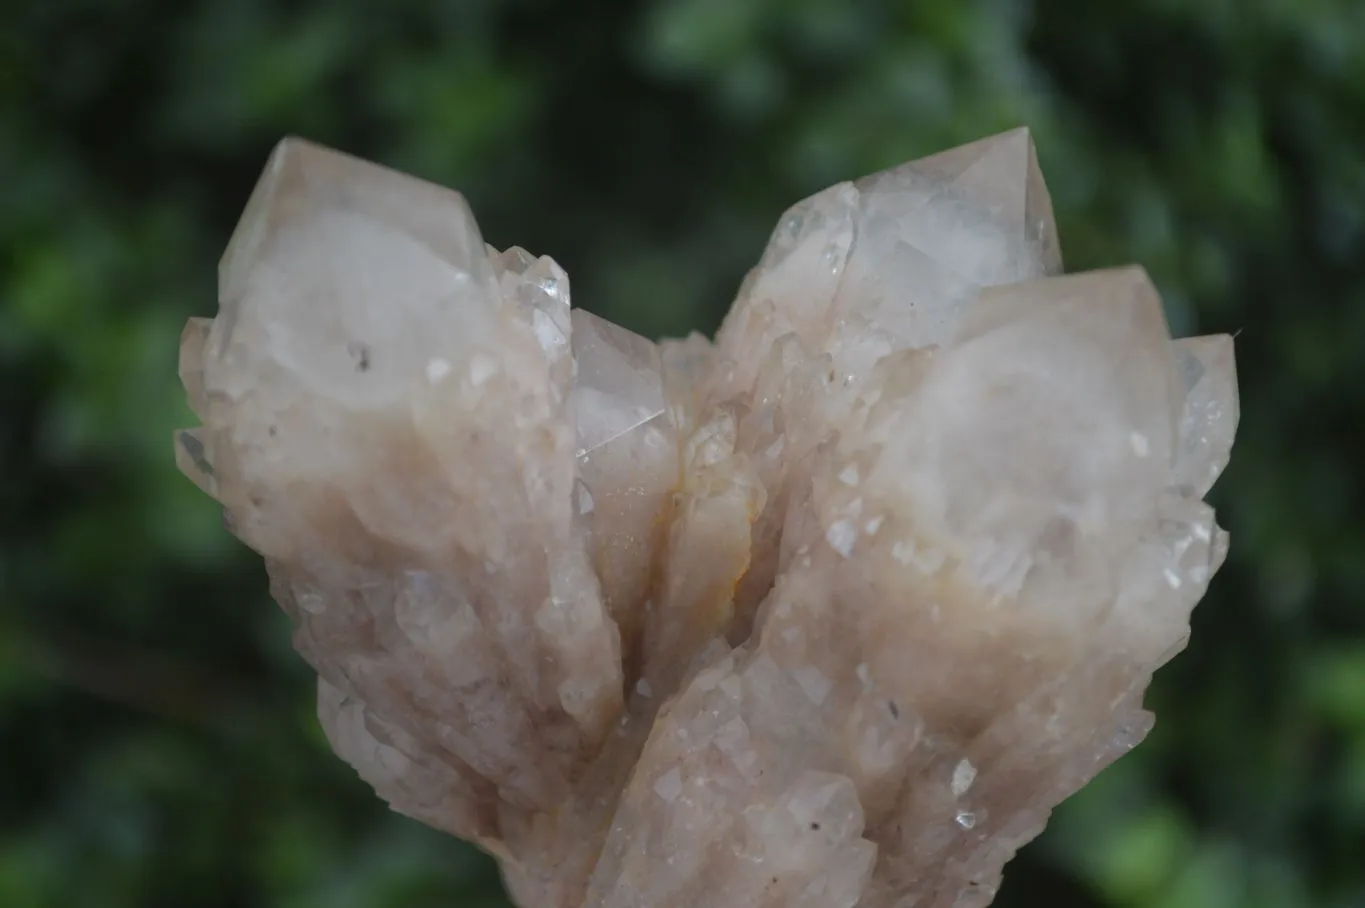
x=1002, y=173
x=304, y=183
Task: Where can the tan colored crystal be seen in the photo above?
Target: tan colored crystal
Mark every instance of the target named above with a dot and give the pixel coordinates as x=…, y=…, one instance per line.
x=830, y=613
x=1208, y=418
x=627, y=451
x=1001, y=173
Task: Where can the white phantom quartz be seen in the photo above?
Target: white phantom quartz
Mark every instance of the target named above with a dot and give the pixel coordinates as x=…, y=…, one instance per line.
x=830, y=612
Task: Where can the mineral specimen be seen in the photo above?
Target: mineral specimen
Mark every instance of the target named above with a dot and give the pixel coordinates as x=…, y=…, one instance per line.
x=831, y=612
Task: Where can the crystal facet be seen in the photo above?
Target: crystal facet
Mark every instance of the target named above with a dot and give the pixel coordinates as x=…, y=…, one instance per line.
x=829, y=613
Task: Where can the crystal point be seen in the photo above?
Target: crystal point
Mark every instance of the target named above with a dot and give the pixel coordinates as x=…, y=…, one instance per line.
x=1208, y=417
x=303, y=182
x=933, y=232
x=829, y=613
x=1002, y=173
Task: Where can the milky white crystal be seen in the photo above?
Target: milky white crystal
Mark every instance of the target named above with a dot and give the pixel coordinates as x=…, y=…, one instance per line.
x=830, y=612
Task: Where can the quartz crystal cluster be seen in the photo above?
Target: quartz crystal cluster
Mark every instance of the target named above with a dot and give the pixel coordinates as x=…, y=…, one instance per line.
x=829, y=612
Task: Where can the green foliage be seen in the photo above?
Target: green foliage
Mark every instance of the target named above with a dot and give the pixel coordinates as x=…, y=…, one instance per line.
x=159, y=747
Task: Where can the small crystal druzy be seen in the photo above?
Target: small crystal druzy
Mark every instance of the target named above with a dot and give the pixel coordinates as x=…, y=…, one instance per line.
x=830, y=612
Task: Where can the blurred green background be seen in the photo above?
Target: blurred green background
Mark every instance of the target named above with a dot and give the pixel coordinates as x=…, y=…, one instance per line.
x=157, y=739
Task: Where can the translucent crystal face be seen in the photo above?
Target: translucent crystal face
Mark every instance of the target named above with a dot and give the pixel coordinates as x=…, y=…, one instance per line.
x=830, y=612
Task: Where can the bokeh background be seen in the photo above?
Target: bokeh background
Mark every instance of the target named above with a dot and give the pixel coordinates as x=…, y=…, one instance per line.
x=157, y=739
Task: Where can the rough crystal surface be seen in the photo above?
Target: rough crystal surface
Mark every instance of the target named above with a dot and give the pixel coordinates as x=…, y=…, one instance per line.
x=830, y=612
